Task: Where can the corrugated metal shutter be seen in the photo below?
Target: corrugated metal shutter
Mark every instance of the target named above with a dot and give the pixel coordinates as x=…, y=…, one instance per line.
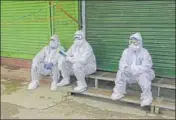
x=110, y=23
x=64, y=25
x=25, y=28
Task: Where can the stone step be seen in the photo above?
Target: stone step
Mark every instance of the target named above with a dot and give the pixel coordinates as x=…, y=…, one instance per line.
x=130, y=97
x=102, y=93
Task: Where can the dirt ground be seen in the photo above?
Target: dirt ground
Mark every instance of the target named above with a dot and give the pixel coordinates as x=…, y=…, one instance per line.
x=19, y=103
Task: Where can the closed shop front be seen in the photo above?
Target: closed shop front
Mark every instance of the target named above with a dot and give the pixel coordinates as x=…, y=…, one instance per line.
x=25, y=28
x=109, y=25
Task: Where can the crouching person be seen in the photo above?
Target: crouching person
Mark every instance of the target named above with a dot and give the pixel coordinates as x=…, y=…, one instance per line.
x=135, y=66
x=46, y=63
x=80, y=61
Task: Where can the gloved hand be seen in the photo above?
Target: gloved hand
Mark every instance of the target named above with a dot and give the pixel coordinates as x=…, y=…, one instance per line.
x=49, y=65
x=71, y=59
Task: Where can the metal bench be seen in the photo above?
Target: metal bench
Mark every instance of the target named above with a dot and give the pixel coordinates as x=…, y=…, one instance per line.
x=109, y=76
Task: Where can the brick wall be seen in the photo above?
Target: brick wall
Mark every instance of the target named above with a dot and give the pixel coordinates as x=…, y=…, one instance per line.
x=22, y=63
x=19, y=74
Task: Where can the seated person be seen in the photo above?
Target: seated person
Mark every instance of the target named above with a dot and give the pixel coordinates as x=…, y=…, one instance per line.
x=80, y=61
x=46, y=63
x=135, y=66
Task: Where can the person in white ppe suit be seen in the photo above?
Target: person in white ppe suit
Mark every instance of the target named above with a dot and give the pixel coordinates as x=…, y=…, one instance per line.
x=46, y=63
x=80, y=61
x=135, y=65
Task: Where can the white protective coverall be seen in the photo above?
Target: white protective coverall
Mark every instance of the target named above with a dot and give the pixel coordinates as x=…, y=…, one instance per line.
x=48, y=55
x=135, y=65
x=80, y=61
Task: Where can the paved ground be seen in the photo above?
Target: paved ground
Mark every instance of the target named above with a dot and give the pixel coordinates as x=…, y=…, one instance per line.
x=18, y=102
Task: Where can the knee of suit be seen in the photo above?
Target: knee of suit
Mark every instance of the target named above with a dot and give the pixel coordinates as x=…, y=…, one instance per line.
x=55, y=68
x=120, y=75
x=144, y=77
x=65, y=65
x=77, y=66
x=144, y=80
x=55, y=71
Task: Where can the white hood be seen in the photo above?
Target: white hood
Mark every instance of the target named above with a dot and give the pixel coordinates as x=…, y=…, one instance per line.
x=56, y=42
x=80, y=32
x=82, y=41
x=138, y=36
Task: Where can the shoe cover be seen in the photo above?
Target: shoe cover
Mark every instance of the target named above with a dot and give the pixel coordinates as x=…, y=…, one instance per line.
x=63, y=82
x=80, y=89
x=146, y=102
x=53, y=86
x=116, y=96
x=33, y=85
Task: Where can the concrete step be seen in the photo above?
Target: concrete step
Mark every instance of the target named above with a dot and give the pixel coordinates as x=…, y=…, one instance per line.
x=130, y=97
x=164, y=104
x=102, y=93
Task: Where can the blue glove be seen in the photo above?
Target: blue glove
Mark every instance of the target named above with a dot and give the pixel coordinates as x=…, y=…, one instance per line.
x=49, y=65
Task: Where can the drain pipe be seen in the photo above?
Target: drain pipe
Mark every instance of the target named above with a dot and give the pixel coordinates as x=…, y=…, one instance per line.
x=83, y=17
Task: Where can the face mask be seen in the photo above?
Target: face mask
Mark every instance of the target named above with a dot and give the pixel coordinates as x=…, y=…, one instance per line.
x=134, y=47
x=53, y=44
x=78, y=42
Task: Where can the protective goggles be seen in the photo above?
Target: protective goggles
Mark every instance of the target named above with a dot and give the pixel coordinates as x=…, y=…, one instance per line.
x=78, y=37
x=52, y=39
x=134, y=41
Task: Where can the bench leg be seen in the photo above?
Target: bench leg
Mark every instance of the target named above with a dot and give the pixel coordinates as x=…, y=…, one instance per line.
x=156, y=110
x=68, y=93
x=152, y=109
x=158, y=91
x=96, y=83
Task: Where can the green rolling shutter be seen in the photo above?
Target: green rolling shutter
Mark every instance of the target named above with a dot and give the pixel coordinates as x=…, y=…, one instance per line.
x=64, y=26
x=109, y=25
x=25, y=28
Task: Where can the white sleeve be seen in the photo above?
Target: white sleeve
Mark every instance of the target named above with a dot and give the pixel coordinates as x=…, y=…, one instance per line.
x=83, y=59
x=61, y=58
x=40, y=56
x=122, y=62
x=146, y=63
x=70, y=51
